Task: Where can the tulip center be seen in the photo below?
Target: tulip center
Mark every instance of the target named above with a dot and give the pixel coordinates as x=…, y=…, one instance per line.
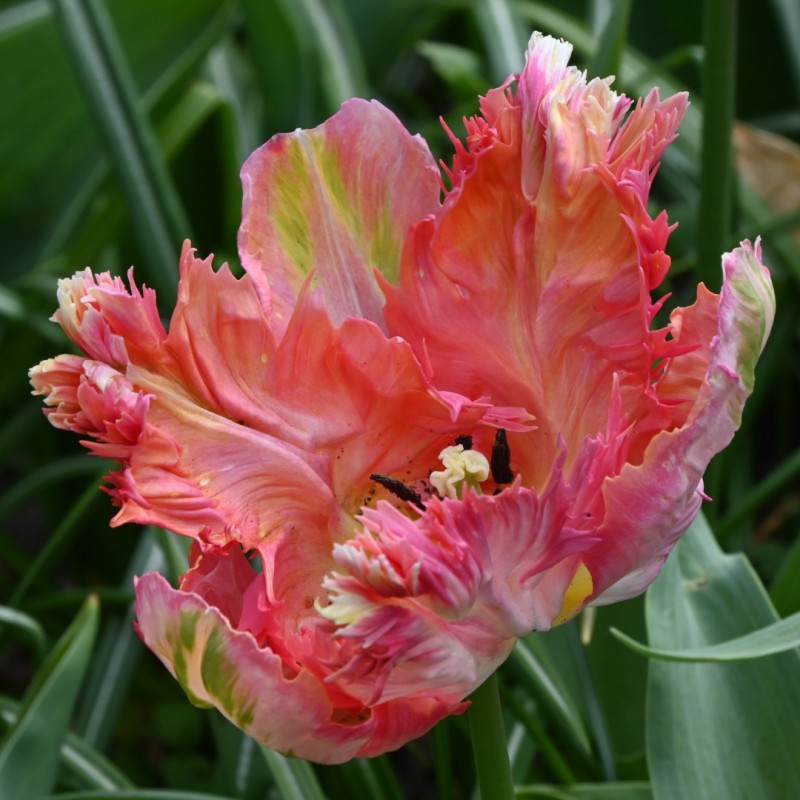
x=463, y=466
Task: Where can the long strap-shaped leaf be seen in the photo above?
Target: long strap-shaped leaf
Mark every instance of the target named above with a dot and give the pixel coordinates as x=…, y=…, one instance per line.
x=720, y=729
x=30, y=754
x=158, y=217
x=779, y=637
x=294, y=778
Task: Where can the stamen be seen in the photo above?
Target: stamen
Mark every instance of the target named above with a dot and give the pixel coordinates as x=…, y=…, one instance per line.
x=398, y=489
x=465, y=441
x=501, y=458
x=460, y=467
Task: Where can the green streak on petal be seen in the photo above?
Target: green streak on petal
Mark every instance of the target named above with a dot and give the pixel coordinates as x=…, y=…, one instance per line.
x=291, y=220
x=183, y=647
x=188, y=629
x=220, y=676
x=753, y=326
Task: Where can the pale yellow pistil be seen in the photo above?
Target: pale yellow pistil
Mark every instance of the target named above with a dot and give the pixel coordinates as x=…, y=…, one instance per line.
x=460, y=467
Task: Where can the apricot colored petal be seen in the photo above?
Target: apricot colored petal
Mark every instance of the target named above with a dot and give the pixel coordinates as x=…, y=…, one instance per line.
x=335, y=202
x=291, y=712
x=650, y=505
x=220, y=336
x=206, y=476
x=531, y=285
x=247, y=437
x=92, y=399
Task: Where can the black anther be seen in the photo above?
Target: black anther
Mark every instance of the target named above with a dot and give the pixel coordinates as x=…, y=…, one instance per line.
x=501, y=458
x=465, y=441
x=398, y=489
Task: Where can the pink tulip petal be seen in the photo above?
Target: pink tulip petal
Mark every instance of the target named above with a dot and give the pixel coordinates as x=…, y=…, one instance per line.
x=335, y=202
x=650, y=505
x=106, y=320
x=432, y=606
x=288, y=710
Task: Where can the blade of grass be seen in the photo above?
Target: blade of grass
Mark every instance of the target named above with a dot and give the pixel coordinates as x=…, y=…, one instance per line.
x=22, y=14
x=521, y=751
x=342, y=73
x=12, y=308
x=549, y=751
x=174, y=551
x=55, y=472
x=28, y=625
x=597, y=723
x=30, y=754
x=624, y=790
x=541, y=685
x=136, y=794
x=57, y=542
x=239, y=768
x=719, y=67
x=76, y=211
x=781, y=477
x=295, y=779
x=117, y=657
x=83, y=764
x=442, y=761
x=283, y=57
x=502, y=32
x=788, y=14
x=156, y=211
x=779, y=637
x=785, y=589
x=611, y=41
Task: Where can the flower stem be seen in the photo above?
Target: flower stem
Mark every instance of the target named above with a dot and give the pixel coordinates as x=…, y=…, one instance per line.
x=714, y=223
x=489, y=743
x=716, y=178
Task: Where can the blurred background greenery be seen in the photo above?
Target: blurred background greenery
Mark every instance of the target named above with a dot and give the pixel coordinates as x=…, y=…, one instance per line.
x=122, y=129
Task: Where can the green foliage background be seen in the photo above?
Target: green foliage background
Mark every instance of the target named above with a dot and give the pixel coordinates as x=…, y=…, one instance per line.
x=122, y=128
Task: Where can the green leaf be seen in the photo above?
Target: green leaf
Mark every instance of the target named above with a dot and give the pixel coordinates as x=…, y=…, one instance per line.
x=239, y=769
x=545, y=682
x=110, y=89
x=82, y=764
x=294, y=778
x=44, y=113
x=788, y=14
x=458, y=66
x=785, y=589
x=137, y=794
x=57, y=542
x=776, y=638
x=723, y=729
x=633, y=790
x=505, y=41
x=30, y=753
x=324, y=29
x=117, y=655
x=611, y=41
x=27, y=624
x=620, y=676
x=40, y=480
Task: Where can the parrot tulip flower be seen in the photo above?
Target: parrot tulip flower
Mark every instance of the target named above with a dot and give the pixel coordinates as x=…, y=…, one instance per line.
x=419, y=427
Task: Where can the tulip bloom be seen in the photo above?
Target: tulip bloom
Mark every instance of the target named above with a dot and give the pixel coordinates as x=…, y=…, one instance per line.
x=418, y=428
